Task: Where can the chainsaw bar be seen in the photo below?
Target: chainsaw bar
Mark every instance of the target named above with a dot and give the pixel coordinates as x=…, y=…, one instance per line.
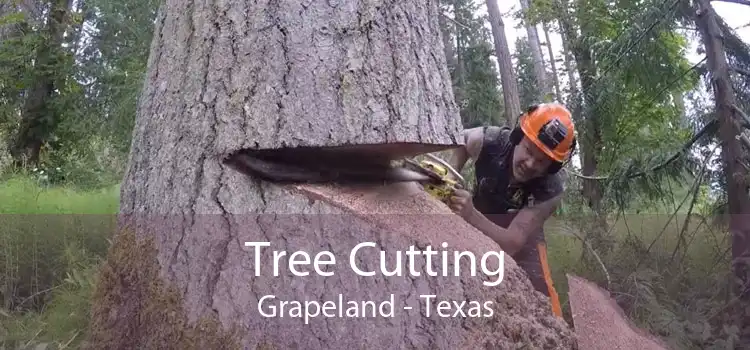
x=416, y=167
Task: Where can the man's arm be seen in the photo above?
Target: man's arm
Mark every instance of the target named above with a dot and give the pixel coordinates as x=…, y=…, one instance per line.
x=473, y=139
x=526, y=222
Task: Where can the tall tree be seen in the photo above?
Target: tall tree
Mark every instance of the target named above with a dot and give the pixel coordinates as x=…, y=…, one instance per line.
x=570, y=70
x=529, y=88
x=536, y=52
x=507, y=76
x=475, y=84
x=624, y=103
x=735, y=160
x=552, y=62
x=38, y=116
x=290, y=78
x=116, y=63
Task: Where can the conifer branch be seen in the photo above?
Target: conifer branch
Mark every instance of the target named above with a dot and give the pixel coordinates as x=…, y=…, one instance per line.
x=741, y=2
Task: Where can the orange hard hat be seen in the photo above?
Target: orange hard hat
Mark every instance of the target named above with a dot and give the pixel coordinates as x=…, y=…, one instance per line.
x=550, y=127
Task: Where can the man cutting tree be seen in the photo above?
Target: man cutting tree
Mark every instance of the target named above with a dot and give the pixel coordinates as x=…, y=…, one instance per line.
x=513, y=165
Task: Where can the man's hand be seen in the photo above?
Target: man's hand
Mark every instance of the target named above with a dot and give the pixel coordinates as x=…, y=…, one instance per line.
x=460, y=202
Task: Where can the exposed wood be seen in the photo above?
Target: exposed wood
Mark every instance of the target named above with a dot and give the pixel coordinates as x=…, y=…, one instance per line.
x=601, y=324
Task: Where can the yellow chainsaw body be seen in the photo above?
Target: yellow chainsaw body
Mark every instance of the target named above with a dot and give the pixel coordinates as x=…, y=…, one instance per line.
x=444, y=190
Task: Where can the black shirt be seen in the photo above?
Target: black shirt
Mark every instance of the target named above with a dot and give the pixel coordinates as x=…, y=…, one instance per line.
x=499, y=200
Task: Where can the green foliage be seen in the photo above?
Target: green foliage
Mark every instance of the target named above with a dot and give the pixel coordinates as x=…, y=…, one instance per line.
x=668, y=273
x=52, y=240
x=482, y=105
x=87, y=120
x=16, y=53
x=117, y=59
x=475, y=78
x=637, y=65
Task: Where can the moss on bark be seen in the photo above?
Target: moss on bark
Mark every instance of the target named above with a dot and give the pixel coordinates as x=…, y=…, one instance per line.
x=133, y=307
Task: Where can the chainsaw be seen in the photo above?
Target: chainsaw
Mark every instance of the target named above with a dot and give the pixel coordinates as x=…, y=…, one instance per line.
x=444, y=179
x=331, y=165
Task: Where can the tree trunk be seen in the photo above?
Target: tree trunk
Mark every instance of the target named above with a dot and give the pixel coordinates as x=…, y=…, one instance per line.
x=732, y=154
x=569, y=66
x=460, y=71
x=589, y=133
x=553, y=64
x=180, y=275
x=679, y=103
x=508, y=80
x=38, y=117
x=536, y=54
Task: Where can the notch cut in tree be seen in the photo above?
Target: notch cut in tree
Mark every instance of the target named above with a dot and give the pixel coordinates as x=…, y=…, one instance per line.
x=233, y=75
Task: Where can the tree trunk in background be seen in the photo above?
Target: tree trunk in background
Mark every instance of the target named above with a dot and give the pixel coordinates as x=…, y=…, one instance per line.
x=553, y=64
x=37, y=118
x=536, y=54
x=732, y=156
x=569, y=67
x=362, y=73
x=589, y=132
x=448, y=48
x=460, y=71
x=508, y=78
x=679, y=103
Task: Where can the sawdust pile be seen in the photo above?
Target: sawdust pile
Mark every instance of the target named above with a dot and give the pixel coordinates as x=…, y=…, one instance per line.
x=601, y=324
x=401, y=215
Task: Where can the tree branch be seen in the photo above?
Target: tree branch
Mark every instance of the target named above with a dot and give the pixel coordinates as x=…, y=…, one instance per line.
x=745, y=118
x=453, y=20
x=741, y=2
x=707, y=129
x=744, y=72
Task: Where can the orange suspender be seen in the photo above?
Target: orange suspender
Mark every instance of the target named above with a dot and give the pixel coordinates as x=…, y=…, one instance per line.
x=553, y=297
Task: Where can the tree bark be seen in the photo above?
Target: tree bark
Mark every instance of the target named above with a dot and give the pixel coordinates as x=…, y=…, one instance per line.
x=448, y=48
x=234, y=75
x=508, y=79
x=460, y=70
x=732, y=155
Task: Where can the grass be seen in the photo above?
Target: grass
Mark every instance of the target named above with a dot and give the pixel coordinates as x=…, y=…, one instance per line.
x=21, y=195
x=51, y=240
x=673, y=290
